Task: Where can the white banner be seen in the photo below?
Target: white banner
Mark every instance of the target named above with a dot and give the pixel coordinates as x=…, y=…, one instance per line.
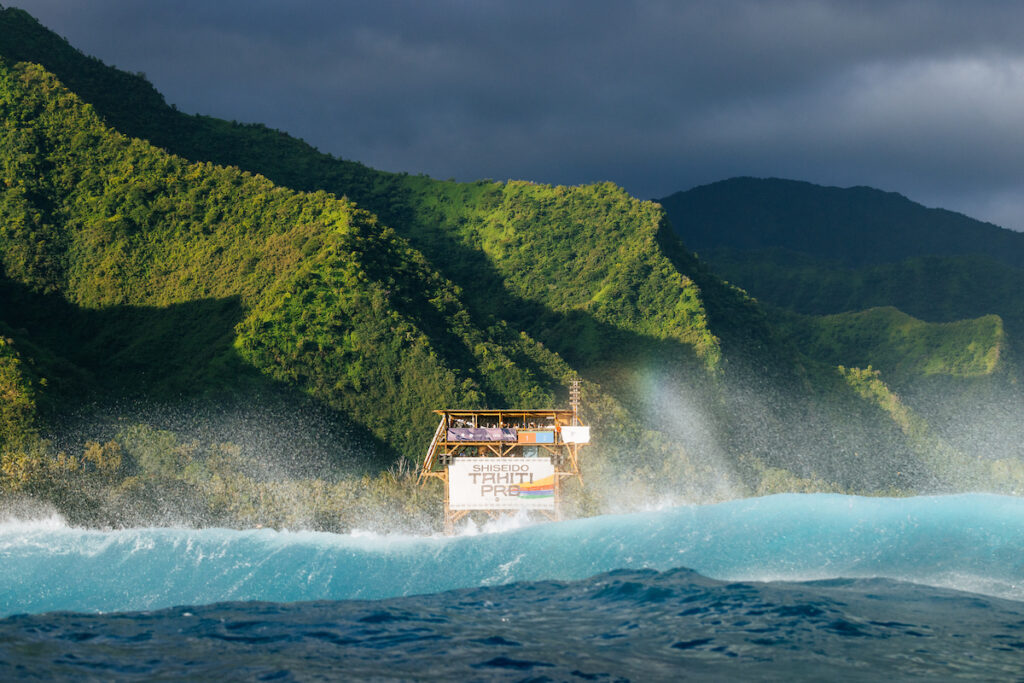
x=576, y=434
x=501, y=484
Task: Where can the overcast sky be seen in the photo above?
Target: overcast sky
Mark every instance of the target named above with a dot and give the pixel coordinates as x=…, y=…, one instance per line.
x=922, y=98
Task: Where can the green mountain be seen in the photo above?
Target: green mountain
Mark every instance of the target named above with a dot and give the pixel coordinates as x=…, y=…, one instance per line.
x=823, y=250
x=854, y=226
x=854, y=265
x=154, y=258
x=187, y=274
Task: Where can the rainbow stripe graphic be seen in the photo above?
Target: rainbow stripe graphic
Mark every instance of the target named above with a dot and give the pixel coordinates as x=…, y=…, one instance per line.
x=538, y=490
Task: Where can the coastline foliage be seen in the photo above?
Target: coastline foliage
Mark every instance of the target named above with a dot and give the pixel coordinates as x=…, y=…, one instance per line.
x=149, y=254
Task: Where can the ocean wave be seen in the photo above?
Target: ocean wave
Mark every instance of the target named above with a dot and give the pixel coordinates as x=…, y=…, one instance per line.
x=968, y=542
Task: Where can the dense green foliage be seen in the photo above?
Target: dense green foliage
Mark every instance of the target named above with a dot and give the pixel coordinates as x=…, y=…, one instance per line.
x=156, y=276
x=328, y=300
x=901, y=346
x=17, y=399
x=147, y=254
x=493, y=239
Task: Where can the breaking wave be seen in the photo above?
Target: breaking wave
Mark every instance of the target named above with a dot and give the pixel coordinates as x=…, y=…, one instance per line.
x=968, y=542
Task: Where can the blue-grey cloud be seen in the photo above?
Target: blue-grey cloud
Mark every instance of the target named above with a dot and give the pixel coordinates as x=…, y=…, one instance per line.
x=918, y=97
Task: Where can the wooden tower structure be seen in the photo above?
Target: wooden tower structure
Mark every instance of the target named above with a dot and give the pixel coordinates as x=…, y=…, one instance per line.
x=502, y=461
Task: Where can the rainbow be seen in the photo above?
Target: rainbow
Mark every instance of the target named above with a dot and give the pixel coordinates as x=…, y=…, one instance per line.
x=537, y=490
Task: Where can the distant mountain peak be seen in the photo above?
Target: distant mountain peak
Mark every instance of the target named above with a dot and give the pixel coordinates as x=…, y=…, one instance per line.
x=856, y=225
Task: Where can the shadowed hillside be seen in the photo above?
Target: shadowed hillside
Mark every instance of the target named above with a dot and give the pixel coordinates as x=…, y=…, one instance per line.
x=148, y=253
x=853, y=226
x=831, y=252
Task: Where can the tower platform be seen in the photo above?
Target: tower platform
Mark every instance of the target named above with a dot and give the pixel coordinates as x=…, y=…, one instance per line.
x=501, y=461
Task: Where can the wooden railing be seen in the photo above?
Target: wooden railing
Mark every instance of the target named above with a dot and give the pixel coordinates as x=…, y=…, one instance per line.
x=428, y=460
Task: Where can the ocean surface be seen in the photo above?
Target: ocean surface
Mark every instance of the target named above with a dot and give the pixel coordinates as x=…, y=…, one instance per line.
x=806, y=587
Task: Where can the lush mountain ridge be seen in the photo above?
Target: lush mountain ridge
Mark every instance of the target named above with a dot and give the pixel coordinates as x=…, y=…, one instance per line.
x=854, y=226
x=136, y=264
x=525, y=228
x=105, y=238
x=847, y=253
x=137, y=227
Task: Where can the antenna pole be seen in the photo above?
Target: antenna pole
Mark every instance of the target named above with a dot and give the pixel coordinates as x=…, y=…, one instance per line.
x=574, y=399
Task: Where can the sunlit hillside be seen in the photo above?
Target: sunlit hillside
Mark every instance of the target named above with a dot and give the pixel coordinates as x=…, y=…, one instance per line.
x=152, y=258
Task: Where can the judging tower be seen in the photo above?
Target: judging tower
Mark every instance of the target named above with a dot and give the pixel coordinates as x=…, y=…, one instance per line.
x=500, y=461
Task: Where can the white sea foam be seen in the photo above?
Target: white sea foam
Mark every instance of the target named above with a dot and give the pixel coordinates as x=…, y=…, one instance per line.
x=15, y=525
x=967, y=542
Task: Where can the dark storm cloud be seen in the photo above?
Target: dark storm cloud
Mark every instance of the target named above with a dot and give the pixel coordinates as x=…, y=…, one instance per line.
x=924, y=98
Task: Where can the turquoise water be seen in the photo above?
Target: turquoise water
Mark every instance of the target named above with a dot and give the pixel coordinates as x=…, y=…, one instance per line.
x=791, y=587
x=968, y=542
